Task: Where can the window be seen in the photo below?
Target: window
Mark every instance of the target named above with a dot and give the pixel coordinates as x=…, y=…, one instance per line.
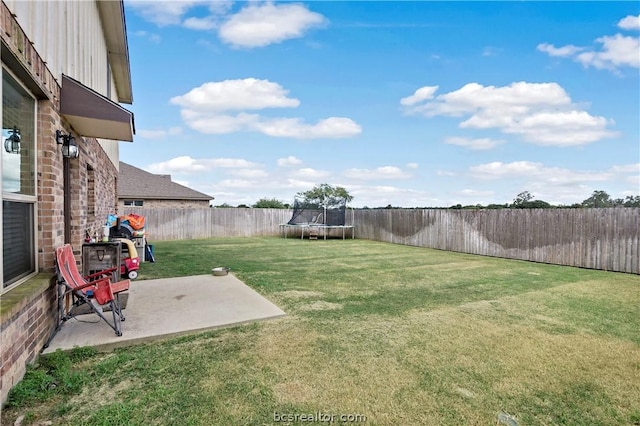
x=17, y=240
x=133, y=203
x=18, y=182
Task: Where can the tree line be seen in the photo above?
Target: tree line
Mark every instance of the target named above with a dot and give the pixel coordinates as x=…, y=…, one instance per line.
x=327, y=195
x=525, y=200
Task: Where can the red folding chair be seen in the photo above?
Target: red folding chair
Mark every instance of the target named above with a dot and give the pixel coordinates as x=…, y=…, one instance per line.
x=96, y=288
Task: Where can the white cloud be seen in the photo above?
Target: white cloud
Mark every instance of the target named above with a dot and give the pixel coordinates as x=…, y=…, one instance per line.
x=474, y=193
x=249, y=93
x=186, y=164
x=262, y=24
x=542, y=113
x=202, y=24
x=385, y=172
x=183, y=164
x=445, y=173
x=150, y=36
x=556, y=185
x=630, y=22
x=497, y=169
x=206, y=109
x=626, y=168
x=309, y=173
x=333, y=127
x=564, y=51
x=256, y=25
x=215, y=124
x=632, y=172
x=289, y=161
x=570, y=128
x=383, y=195
x=617, y=51
x=412, y=165
x=159, y=133
x=229, y=163
x=475, y=144
x=635, y=181
x=299, y=184
x=420, y=95
x=237, y=184
x=163, y=13
x=537, y=172
x=249, y=173
x=167, y=12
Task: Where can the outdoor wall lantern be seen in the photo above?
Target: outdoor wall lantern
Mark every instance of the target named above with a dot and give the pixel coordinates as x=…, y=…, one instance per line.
x=12, y=142
x=69, y=147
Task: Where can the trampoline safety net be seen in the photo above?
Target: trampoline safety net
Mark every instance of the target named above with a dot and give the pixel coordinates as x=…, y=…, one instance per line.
x=313, y=214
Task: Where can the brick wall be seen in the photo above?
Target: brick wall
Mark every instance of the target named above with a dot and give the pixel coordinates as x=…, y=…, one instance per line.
x=27, y=323
x=93, y=181
x=168, y=204
x=50, y=186
x=24, y=331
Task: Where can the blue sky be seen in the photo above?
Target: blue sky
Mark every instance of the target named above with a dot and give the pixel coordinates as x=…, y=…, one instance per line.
x=413, y=104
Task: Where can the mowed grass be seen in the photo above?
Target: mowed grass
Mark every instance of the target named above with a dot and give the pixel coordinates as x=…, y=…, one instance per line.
x=387, y=333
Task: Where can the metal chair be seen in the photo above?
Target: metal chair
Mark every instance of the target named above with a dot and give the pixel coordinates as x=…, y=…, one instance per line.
x=96, y=288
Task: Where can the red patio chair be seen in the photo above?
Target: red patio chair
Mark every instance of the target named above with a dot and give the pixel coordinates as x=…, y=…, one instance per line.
x=84, y=290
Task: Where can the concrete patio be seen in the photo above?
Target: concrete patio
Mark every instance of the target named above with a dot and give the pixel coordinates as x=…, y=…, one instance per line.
x=169, y=307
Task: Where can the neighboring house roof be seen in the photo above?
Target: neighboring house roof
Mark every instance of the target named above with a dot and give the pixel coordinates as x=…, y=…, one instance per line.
x=135, y=183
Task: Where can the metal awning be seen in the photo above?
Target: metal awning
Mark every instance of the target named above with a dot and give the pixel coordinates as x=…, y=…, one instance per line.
x=93, y=115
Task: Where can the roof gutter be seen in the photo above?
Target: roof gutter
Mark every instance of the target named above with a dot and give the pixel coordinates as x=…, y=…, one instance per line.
x=115, y=34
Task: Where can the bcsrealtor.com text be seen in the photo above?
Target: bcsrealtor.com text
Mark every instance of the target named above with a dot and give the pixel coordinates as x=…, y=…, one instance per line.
x=318, y=417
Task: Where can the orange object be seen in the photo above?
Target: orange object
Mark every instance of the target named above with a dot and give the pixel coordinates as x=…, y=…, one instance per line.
x=135, y=221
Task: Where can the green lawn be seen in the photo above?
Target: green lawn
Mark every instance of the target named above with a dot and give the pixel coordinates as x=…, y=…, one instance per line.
x=397, y=334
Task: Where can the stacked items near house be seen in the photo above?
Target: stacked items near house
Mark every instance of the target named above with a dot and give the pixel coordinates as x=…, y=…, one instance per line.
x=130, y=230
x=127, y=226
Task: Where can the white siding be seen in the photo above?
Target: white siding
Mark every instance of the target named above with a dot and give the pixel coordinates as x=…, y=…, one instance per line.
x=68, y=35
x=112, y=149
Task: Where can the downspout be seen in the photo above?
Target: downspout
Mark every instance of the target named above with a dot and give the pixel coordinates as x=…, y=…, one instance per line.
x=66, y=172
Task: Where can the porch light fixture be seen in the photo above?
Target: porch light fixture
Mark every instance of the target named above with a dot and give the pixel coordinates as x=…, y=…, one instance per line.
x=12, y=142
x=69, y=147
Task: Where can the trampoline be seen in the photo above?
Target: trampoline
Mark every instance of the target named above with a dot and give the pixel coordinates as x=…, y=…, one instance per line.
x=317, y=220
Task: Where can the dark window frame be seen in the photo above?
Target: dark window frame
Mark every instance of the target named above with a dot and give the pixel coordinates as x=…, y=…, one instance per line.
x=20, y=207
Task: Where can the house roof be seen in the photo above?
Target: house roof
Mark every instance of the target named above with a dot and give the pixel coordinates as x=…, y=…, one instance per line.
x=135, y=183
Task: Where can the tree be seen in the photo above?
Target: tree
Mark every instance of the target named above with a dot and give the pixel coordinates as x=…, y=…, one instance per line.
x=598, y=199
x=524, y=200
x=632, y=201
x=326, y=195
x=538, y=204
x=269, y=203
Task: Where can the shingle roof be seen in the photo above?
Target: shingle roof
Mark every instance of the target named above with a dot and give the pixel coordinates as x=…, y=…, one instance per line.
x=139, y=184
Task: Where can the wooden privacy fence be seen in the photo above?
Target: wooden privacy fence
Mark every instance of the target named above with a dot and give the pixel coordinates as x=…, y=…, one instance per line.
x=604, y=239
x=186, y=224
